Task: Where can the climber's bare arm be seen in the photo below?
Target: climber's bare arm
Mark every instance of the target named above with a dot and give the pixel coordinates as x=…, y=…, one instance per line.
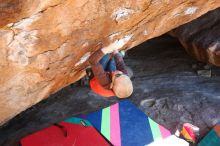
x=97, y=69
x=101, y=76
x=120, y=64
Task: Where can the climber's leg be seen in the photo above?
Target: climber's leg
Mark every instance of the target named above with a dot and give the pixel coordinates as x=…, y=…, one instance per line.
x=104, y=61
x=111, y=65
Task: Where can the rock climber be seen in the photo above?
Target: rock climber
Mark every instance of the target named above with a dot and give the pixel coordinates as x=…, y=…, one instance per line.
x=108, y=74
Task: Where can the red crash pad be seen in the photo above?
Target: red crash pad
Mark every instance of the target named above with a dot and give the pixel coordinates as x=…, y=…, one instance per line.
x=66, y=134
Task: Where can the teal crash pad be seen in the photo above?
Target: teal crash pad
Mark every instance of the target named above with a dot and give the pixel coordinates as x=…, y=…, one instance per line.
x=212, y=138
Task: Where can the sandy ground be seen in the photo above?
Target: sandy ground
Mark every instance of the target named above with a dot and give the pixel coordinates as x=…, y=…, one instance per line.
x=166, y=87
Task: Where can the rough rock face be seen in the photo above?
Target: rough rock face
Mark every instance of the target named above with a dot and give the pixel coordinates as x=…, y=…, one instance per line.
x=201, y=37
x=45, y=43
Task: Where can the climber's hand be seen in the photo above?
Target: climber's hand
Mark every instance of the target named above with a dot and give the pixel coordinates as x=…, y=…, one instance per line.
x=110, y=48
x=118, y=44
x=115, y=52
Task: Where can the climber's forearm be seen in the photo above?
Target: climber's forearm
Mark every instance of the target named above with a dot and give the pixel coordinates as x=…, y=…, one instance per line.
x=96, y=57
x=101, y=76
x=120, y=64
x=118, y=44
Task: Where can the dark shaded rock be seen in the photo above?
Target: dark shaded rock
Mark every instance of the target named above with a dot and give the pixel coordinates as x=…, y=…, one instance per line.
x=201, y=37
x=148, y=102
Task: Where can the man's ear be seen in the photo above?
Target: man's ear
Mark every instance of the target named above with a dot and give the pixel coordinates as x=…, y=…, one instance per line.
x=111, y=85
